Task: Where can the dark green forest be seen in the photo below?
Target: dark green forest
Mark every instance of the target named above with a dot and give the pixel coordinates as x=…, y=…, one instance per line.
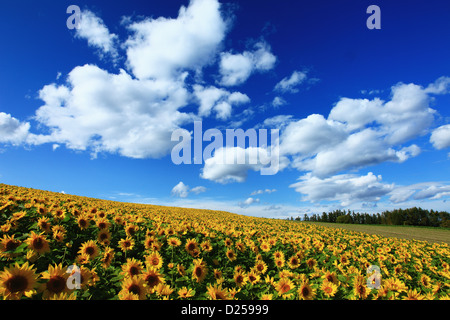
x=410, y=217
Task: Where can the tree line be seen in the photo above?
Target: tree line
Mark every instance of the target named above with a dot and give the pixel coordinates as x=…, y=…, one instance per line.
x=411, y=216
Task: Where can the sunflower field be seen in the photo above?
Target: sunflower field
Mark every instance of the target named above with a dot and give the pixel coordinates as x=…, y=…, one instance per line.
x=58, y=246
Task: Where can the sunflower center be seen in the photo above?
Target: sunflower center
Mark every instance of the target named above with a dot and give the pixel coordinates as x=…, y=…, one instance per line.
x=305, y=291
x=134, y=288
x=285, y=288
x=56, y=284
x=191, y=246
x=134, y=270
x=90, y=250
x=198, y=271
x=11, y=245
x=38, y=243
x=17, y=283
x=152, y=280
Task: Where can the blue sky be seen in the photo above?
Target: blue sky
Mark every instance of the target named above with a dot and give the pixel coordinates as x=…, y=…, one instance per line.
x=364, y=115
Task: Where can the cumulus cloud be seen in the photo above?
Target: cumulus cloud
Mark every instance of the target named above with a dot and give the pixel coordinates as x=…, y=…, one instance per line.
x=112, y=113
x=93, y=29
x=249, y=201
x=362, y=132
x=260, y=191
x=419, y=191
x=235, y=69
x=440, y=137
x=290, y=84
x=12, y=130
x=231, y=164
x=345, y=188
x=181, y=190
x=162, y=47
x=218, y=100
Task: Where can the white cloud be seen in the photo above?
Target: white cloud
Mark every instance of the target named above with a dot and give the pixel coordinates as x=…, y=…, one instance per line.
x=278, y=101
x=420, y=191
x=162, y=47
x=112, y=113
x=199, y=189
x=12, y=130
x=96, y=33
x=260, y=191
x=225, y=165
x=290, y=84
x=440, y=137
x=235, y=69
x=249, y=201
x=440, y=86
x=311, y=135
x=218, y=100
x=181, y=190
x=361, y=132
x=345, y=188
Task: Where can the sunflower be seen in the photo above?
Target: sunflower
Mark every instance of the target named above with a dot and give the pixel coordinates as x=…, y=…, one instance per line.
x=133, y=285
x=164, y=290
x=131, y=229
x=228, y=242
x=154, y=259
x=56, y=281
x=294, y=262
x=126, y=244
x=8, y=243
x=152, y=278
x=260, y=266
x=133, y=267
x=253, y=277
x=184, y=293
x=217, y=293
x=413, y=295
x=191, y=246
x=278, y=254
x=200, y=270
x=329, y=288
x=58, y=236
x=305, y=292
x=279, y=263
x=206, y=246
x=311, y=263
x=83, y=221
x=102, y=223
x=149, y=241
x=267, y=296
x=38, y=243
x=104, y=237
x=108, y=256
x=63, y=296
x=16, y=281
x=265, y=246
x=89, y=248
x=44, y=224
x=240, y=278
x=360, y=289
x=283, y=286
x=330, y=277
x=231, y=254
x=425, y=281
x=173, y=242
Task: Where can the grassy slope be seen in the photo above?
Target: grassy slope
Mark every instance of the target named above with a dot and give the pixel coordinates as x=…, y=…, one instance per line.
x=438, y=235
